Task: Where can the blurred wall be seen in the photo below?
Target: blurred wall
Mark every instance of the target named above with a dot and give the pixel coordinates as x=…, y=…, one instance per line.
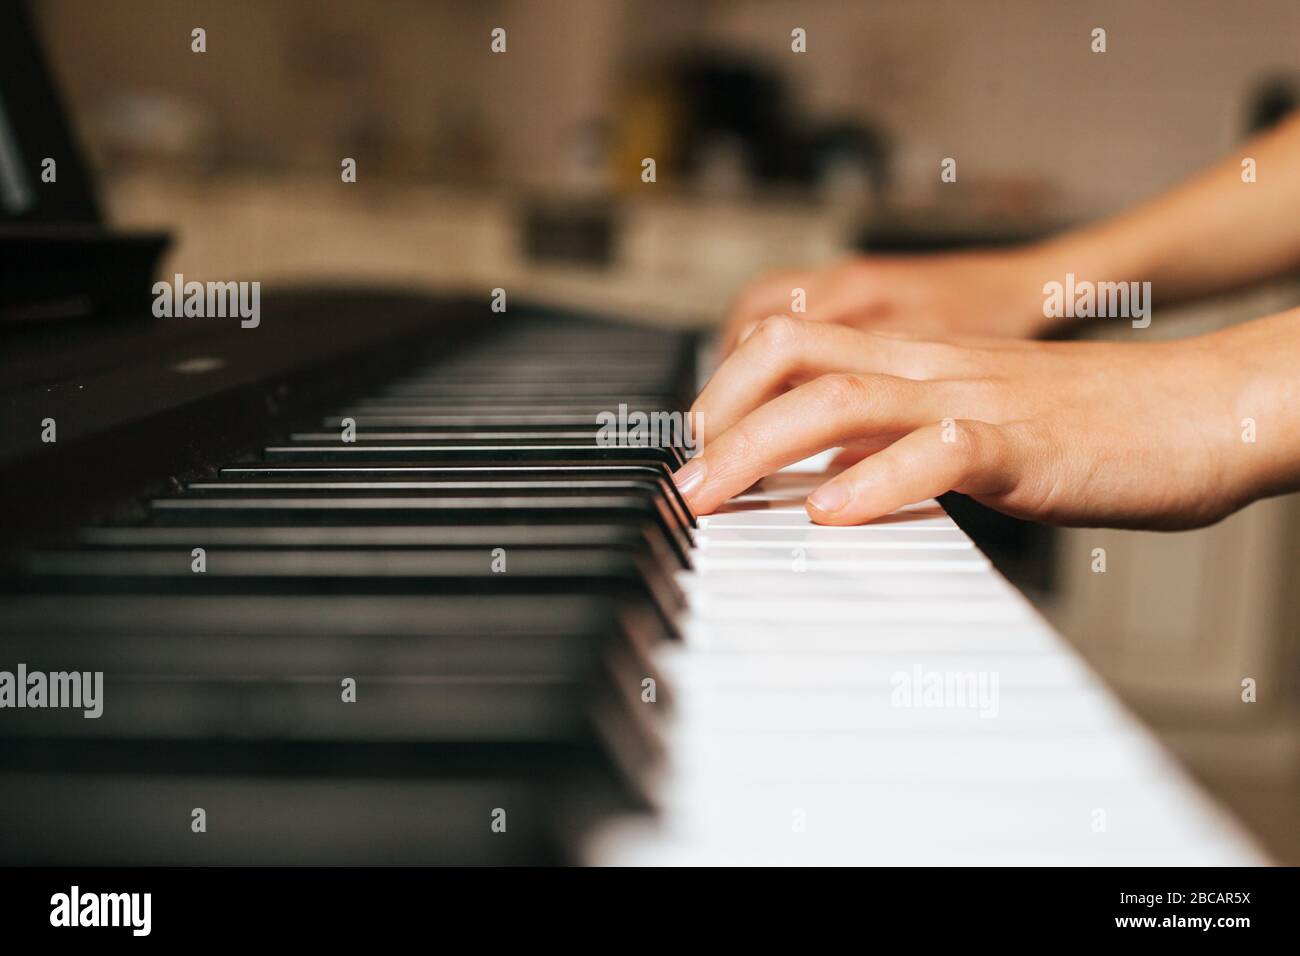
x=1008, y=87
x=289, y=83
x=1011, y=87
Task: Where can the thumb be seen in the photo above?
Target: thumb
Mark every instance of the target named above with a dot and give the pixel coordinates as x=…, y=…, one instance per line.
x=950, y=455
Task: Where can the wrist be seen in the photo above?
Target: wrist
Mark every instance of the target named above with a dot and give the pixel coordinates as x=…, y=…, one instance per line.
x=1093, y=255
x=1029, y=270
x=1248, y=402
x=1261, y=402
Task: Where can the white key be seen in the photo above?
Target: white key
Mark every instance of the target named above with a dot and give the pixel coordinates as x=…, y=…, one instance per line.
x=881, y=695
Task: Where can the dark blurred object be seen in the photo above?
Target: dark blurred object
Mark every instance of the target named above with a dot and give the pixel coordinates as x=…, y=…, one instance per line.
x=730, y=122
x=890, y=235
x=840, y=151
x=1272, y=102
x=57, y=261
x=728, y=97
x=87, y=375
x=73, y=271
x=574, y=233
x=33, y=128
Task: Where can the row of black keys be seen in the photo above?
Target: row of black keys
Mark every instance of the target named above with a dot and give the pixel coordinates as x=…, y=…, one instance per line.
x=429, y=644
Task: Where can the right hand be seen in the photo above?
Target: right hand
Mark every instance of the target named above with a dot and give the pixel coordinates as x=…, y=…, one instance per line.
x=1075, y=433
x=969, y=294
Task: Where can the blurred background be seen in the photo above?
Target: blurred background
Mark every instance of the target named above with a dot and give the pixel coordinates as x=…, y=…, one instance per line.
x=523, y=170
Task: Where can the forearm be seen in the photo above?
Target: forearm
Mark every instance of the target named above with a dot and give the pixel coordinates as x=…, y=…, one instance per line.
x=1212, y=233
x=1215, y=232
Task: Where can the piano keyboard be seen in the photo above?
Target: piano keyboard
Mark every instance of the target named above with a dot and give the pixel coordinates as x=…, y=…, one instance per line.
x=473, y=633
x=881, y=695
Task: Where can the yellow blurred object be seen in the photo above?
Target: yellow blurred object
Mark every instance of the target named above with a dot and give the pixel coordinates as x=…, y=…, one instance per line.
x=647, y=126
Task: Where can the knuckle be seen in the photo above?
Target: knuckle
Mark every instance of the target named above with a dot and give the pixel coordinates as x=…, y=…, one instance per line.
x=970, y=442
x=1040, y=463
x=776, y=333
x=840, y=389
x=985, y=457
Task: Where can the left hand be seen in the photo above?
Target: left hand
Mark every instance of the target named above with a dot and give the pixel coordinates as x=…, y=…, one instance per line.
x=1095, y=433
x=989, y=293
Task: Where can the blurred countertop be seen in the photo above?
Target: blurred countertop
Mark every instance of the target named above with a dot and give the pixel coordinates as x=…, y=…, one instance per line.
x=676, y=259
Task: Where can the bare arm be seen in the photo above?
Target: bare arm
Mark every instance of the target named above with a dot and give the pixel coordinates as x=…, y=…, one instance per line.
x=1214, y=232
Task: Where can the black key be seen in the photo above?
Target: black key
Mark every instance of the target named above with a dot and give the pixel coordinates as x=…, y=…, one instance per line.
x=557, y=473
x=636, y=510
x=372, y=559
x=624, y=575
x=287, y=635
x=491, y=483
x=289, y=803
x=172, y=537
x=448, y=453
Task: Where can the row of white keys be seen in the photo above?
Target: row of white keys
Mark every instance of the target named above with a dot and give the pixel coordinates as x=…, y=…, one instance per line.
x=881, y=695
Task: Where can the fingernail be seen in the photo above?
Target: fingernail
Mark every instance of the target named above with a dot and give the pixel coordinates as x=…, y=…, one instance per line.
x=829, y=498
x=690, y=476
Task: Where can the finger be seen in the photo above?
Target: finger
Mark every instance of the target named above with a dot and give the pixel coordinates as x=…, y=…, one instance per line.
x=845, y=301
x=967, y=456
x=830, y=411
x=785, y=352
x=828, y=296
x=825, y=302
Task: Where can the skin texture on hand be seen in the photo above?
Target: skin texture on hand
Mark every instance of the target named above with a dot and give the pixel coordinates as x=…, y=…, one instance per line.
x=1158, y=435
x=984, y=293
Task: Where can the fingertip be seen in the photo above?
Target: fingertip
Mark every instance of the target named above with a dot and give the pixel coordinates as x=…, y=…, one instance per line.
x=830, y=499
x=843, y=501
x=817, y=516
x=689, y=480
